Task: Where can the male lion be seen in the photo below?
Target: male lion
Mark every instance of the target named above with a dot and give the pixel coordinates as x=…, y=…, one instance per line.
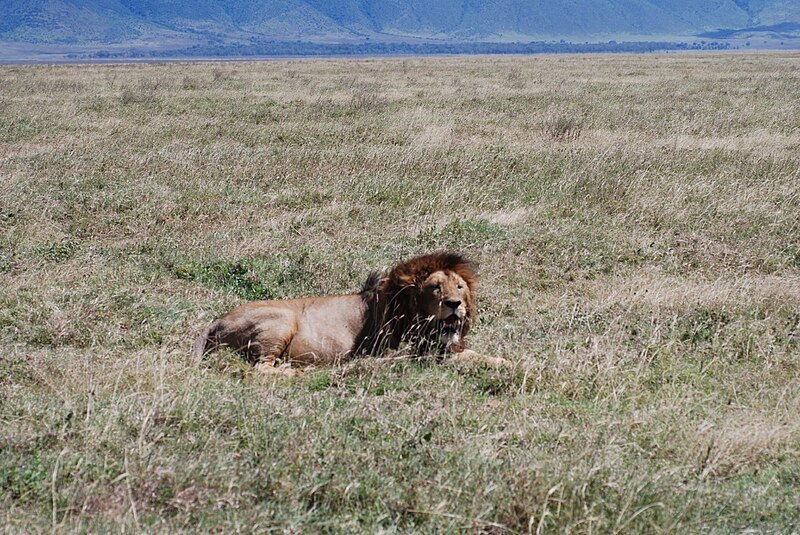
x=427, y=302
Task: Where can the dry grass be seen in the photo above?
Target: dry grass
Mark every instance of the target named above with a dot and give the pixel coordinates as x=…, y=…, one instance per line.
x=636, y=223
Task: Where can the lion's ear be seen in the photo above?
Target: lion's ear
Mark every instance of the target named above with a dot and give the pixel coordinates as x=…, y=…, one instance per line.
x=407, y=280
x=383, y=285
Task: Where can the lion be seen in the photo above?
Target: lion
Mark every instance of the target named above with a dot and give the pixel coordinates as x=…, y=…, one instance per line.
x=427, y=302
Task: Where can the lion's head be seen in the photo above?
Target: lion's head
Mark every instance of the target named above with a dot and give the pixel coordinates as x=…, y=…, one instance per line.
x=427, y=301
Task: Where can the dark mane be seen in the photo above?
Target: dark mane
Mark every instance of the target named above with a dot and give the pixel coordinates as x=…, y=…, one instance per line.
x=414, y=272
x=371, y=286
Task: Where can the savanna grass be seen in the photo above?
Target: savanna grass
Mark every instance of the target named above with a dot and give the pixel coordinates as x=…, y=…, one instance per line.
x=635, y=220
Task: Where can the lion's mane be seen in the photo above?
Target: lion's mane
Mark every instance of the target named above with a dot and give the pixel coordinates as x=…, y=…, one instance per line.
x=394, y=303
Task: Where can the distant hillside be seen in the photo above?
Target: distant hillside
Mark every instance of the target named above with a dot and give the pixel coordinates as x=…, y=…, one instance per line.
x=179, y=24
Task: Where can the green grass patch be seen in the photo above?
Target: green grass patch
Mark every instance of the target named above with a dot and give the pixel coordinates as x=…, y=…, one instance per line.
x=252, y=278
x=19, y=129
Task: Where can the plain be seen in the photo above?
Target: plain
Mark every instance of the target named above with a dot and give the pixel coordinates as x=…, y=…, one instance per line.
x=635, y=219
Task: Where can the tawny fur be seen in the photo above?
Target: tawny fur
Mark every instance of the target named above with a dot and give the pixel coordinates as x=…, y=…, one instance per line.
x=426, y=302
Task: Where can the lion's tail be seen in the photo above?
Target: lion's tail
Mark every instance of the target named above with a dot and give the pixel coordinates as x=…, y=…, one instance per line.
x=200, y=345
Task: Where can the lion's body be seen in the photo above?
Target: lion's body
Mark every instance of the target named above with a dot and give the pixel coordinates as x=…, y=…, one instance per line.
x=427, y=302
x=311, y=330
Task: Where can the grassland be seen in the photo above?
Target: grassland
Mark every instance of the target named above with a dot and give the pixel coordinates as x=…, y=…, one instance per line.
x=636, y=220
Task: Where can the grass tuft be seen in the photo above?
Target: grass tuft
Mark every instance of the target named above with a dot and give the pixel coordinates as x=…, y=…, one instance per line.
x=562, y=124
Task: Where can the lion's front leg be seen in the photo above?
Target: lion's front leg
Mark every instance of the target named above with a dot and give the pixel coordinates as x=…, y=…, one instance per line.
x=468, y=356
x=269, y=368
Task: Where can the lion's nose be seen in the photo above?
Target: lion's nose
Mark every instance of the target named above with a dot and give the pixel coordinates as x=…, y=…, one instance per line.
x=452, y=304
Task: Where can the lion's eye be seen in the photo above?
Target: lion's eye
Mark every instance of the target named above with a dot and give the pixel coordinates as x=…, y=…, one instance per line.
x=460, y=287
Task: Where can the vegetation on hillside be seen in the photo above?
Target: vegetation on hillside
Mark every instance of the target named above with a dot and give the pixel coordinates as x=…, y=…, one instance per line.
x=299, y=48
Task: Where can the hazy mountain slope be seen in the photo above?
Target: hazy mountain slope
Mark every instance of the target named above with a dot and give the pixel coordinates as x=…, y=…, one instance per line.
x=76, y=21
x=776, y=12
x=290, y=19
x=67, y=21
x=569, y=18
x=720, y=14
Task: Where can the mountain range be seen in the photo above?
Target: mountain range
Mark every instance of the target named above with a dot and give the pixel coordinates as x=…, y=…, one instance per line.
x=176, y=23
